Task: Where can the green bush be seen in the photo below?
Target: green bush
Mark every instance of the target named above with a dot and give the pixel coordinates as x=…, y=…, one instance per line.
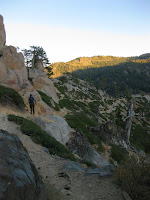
x=62, y=89
x=57, y=108
x=94, y=105
x=118, y=153
x=134, y=178
x=100, y=147
x=67, y=103
x=80, y=121
x=11, y=97
x=41, y=137
x=45, y=98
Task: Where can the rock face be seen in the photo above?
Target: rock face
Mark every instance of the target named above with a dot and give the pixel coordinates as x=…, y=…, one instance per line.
x=56, y=126
x=109, y=132
x=2, y=36
x=80, y=145
x=19, y=179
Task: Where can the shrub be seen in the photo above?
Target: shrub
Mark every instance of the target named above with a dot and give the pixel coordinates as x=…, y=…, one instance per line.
x=41, y=137
x=100, y=147
x=80, y=121
x=94, y=105
x=45, y=98
x=57, y=108
x=67, y=104
x=118, y=153
x=11, y=97
x=63, y=79
x=62, y=89
x=134, y=177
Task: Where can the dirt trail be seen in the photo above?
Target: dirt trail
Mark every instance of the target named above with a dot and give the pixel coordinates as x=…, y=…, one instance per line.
x=72, y=185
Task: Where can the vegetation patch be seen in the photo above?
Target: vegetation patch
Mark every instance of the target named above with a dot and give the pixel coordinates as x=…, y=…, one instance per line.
x=11, y=97
x=45, y=98
x=67, y=103
x=119, y=154
x=134, y=178
x=62, y=89
x=41, y=137
x=140, y=138
x=80, y=121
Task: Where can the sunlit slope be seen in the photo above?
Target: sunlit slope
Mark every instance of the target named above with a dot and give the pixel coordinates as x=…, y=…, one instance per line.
x=115, y=75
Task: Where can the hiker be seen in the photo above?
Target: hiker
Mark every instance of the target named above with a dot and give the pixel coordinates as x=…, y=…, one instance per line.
x=32, y=103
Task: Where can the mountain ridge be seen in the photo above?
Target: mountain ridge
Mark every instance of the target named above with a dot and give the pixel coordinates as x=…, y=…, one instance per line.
x=99, y=61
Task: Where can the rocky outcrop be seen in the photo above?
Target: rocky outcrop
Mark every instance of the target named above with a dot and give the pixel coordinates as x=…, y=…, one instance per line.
x=56, y=126
x=19, y=178
x=80, y=145
x=41, y=81
x=2, y=36
x=14, y=74
x=109, y=132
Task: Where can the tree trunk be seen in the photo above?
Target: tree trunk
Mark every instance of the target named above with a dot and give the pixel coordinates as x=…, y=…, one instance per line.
x=128, y=123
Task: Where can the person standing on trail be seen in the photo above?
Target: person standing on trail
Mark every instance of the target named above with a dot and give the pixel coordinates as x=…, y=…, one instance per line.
x=32, y=103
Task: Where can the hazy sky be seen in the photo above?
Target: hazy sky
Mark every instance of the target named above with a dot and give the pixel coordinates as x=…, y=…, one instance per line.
x=67, y=29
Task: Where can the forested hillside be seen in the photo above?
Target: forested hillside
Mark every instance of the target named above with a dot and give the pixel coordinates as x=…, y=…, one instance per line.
x=116, y=75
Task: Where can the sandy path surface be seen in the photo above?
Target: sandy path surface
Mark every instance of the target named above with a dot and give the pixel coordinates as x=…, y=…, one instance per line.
x=72, y=185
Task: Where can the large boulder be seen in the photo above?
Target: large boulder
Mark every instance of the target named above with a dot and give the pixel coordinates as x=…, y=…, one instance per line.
x=80, y=145
x=2, y=36
x=45, y=85
x=109, y=132
x=19, y=179
x=56, y=126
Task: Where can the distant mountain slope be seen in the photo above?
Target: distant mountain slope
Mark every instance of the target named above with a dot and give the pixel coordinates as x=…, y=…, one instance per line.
x=115, y=75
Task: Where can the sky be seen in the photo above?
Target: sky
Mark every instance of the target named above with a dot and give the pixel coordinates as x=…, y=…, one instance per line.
x=67, y=29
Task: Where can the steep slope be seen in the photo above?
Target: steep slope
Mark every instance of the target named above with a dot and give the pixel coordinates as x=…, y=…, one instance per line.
x=84, y=106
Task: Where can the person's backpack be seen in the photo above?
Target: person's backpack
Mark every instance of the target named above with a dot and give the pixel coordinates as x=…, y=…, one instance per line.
x=31, y=100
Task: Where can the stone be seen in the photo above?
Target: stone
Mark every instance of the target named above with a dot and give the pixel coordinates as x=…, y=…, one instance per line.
x=2, y=35
x=19, y=179
x=80, y=145
x=56, y=126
